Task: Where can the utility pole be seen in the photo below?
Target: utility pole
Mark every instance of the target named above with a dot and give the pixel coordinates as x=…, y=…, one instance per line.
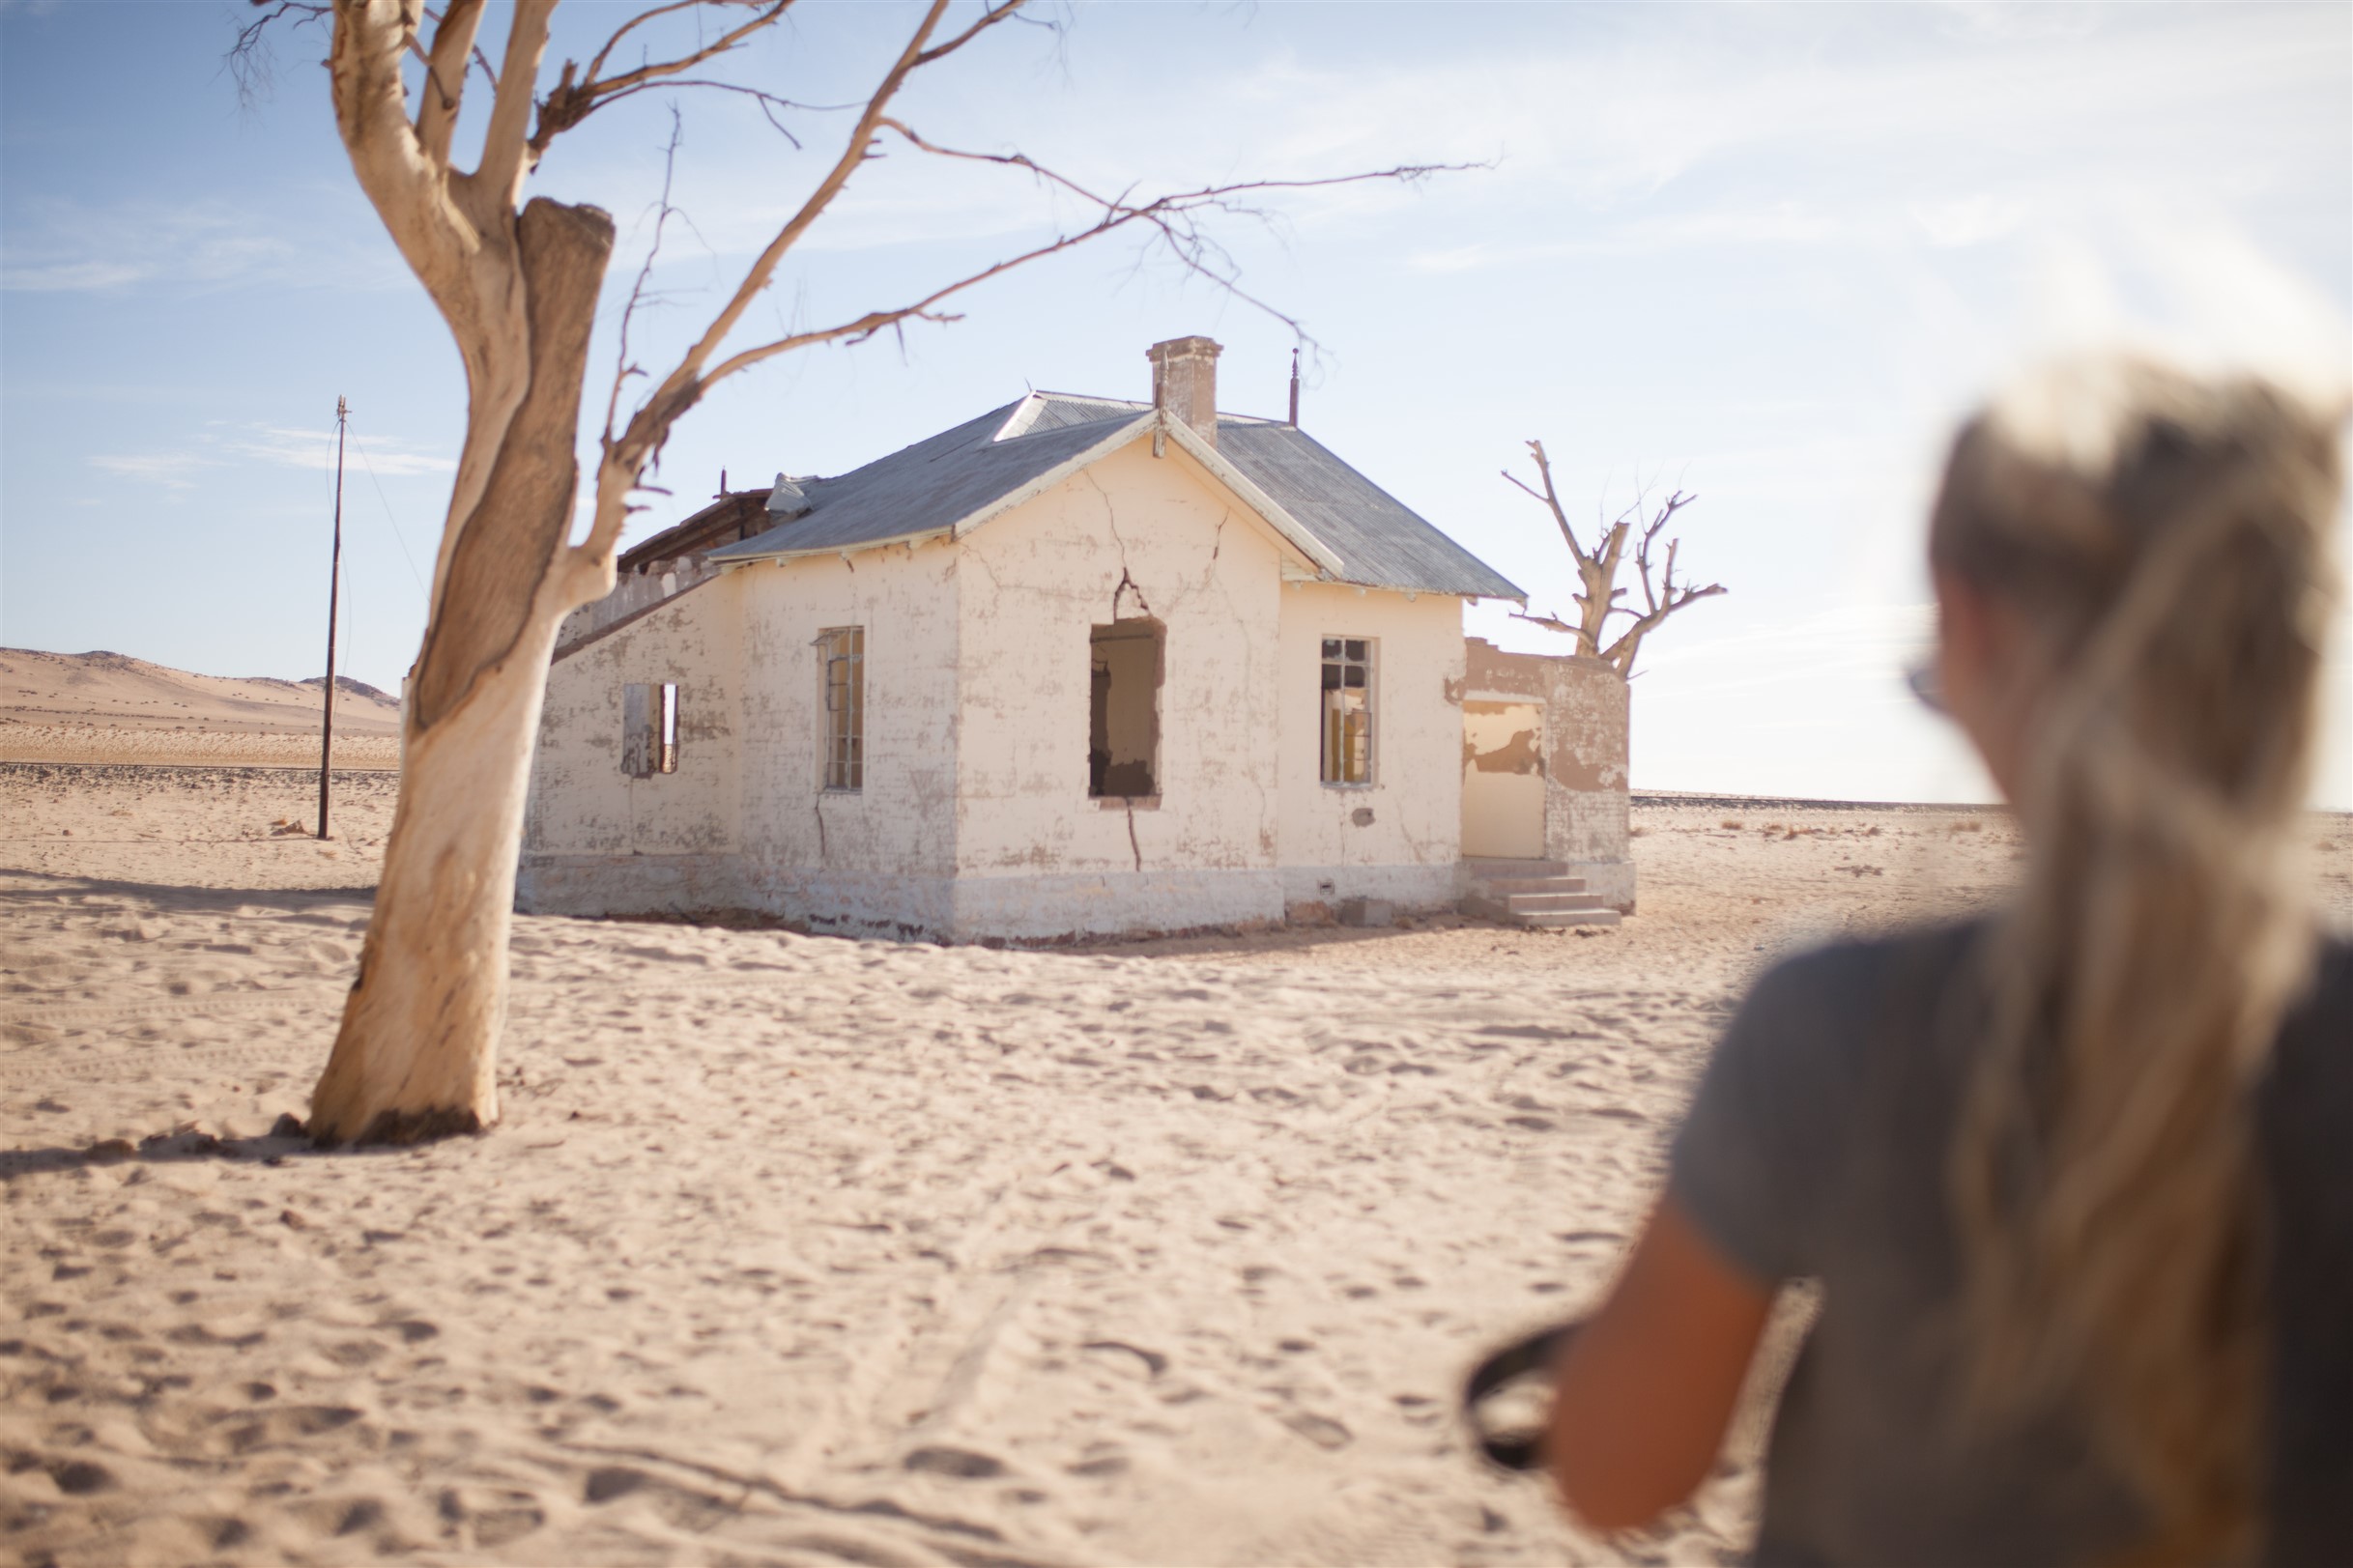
x=334, y=579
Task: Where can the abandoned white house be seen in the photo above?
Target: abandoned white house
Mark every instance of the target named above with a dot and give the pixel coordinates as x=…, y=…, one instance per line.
x=1080, y=665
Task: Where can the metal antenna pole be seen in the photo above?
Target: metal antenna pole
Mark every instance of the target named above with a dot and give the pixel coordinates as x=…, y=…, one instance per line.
x=335, y=579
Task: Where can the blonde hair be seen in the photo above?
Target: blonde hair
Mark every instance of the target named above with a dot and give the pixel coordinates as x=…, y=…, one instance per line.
x=2167, y=540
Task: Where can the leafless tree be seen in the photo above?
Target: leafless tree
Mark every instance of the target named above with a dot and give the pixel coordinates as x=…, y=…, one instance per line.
x=1597, y=571
x=518, y=281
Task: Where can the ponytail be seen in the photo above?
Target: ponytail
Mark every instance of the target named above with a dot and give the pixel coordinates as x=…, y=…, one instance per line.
x=2169, y=538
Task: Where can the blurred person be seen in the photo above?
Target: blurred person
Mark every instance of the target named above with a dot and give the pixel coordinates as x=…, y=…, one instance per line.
x=2075, y=1179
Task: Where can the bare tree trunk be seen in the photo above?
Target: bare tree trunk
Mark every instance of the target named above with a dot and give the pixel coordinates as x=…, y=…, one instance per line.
x=417, y=1052
x=416, y=1055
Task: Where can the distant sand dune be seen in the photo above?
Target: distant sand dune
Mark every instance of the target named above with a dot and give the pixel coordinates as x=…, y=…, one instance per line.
x=107, y=707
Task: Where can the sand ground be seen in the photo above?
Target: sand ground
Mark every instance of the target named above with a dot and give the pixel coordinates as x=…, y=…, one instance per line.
x=802, y=1250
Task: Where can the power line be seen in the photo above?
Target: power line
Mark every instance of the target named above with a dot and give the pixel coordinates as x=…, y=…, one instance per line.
x=398, y=537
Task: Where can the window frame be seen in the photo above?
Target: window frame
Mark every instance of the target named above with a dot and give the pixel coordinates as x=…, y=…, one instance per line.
x=1155, y=631
x=841, y=729
x=650, y=728
x=1326, y=757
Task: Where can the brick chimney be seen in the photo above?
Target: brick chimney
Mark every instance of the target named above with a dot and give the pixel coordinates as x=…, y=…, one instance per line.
x=1185, y=383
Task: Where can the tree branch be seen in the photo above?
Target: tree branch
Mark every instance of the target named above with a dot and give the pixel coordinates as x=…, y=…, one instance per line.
x=1171, y=215
x=507, y=154
x=622, y=369
x=1168, y=214
x=1662, y=598
x=481, y=60
x=444, y=88
x=1597, y=569
x=627, y=455
x=577, y=96
x=990, y=17
x=769, y=103
x=1550, y=498
x=251, y=65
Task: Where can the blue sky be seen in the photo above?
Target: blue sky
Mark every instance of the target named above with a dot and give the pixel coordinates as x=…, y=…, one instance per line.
x=1766, y=252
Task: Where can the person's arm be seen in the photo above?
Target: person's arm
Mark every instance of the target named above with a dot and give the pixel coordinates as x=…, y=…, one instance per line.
x=1647, y=1387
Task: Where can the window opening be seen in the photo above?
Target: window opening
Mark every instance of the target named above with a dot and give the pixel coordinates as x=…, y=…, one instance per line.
x=842, y=652
x=1347, y=710
x=649, y=729
x=1124, y=708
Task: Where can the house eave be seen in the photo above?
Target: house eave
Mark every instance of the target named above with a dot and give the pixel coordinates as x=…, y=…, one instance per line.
x=730, y=561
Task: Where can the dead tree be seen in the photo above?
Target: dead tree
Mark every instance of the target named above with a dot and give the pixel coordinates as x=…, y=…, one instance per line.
x=1597, y=571
x=518, y=281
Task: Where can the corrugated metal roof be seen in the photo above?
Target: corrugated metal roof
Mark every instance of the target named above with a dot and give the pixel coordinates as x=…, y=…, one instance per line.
x=924, y=489
x=1060, y=409
x=1381, y=542
x=934, y=485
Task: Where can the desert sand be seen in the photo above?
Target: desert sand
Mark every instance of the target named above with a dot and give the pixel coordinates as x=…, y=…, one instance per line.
x=107, y=707
x=804, y=1250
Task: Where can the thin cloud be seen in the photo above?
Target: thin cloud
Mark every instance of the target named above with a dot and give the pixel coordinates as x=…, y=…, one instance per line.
x=229, y=445
x=172, y=470
x=66, y=246
x=289, y=448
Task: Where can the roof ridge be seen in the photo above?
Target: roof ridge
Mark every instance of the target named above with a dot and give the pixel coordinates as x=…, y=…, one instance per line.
x=1092, y=397
x=1140, y=405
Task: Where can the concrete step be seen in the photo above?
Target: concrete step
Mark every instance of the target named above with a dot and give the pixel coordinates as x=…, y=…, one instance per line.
x=1551, y=904
x=1541, y=909
x=1537, y=893
x=1500, y=887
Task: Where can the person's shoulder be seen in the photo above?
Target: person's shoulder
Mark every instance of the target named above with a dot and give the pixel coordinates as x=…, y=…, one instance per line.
x=1852, y=976
x=2332, y=975
x=2312, y=1035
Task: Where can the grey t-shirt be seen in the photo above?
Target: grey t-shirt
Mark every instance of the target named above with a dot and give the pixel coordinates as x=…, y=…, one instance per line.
x=1816, y=1148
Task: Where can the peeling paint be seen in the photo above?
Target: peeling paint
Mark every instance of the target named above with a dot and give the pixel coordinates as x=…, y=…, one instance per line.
x=1582, y=746
x=1516, y=754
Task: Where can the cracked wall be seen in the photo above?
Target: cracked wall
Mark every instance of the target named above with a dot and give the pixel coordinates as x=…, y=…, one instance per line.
x=1132, y=536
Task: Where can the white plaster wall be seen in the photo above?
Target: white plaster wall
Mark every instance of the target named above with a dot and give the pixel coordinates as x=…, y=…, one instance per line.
x=596, y=839
x=1410, y=851
x=877, y=859
x=1133, y=535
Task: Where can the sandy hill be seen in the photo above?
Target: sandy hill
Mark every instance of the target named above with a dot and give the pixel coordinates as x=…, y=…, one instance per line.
x=98, y=707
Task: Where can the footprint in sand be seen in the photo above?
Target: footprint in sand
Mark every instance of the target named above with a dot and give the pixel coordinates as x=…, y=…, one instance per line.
x=78, y=1477
x=962, y=1463
x=1155, y=1363
x=495, y=1517
x=1319, y=1430
x=284, y=1424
